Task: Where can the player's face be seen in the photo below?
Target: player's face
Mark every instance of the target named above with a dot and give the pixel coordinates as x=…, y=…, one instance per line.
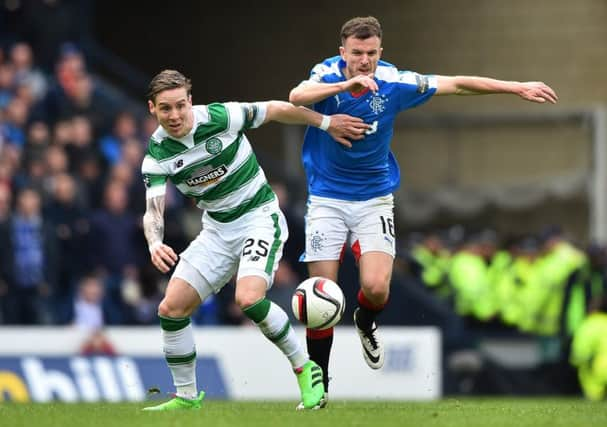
x=173, y=110
x=361, y=55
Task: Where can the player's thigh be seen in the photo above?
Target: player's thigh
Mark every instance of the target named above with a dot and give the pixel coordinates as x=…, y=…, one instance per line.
x=375, y=269
x=185, y=272
x=214, y=255
x=328, y=269
x=372, y=227
x=326, y=230
x=261, y=246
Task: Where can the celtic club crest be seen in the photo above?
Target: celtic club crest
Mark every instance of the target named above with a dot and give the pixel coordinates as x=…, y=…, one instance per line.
x=377, y=103
x=213, y=145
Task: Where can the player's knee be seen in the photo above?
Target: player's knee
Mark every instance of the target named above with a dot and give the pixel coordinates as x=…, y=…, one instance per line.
x=167, y=309
x=376, y=289
x=246, y=299
x=377, y=296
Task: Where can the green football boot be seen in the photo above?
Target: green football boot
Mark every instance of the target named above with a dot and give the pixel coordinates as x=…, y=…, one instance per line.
x=311, y=388
x=178, y=404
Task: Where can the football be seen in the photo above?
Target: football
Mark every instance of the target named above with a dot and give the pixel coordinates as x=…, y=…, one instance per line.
x=318, y=303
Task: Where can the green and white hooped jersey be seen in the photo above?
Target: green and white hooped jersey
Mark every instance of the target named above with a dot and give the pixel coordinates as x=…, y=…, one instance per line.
x=214, y=163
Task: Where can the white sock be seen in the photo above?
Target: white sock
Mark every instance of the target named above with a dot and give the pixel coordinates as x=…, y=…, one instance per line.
x=180, y=354
x=277, y=328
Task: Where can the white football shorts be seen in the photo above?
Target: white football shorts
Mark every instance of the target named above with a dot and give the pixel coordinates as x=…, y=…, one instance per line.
x=331, y=224
x=249, y=246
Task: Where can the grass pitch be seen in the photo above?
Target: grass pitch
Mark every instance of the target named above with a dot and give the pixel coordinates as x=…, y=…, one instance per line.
x=448, y=412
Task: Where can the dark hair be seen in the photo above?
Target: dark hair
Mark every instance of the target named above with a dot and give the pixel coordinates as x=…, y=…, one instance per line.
x=360, y=28
x=168, y=79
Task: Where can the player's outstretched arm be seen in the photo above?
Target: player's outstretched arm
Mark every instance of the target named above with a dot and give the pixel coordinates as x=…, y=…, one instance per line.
x=163, y=257
x=310, y=92
x=340, y=126
x=471, y=85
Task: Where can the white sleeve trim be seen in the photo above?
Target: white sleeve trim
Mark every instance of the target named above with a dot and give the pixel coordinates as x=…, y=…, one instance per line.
x=260, y=117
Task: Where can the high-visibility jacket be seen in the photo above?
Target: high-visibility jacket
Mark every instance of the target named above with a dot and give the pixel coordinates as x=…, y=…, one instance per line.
x=589, y=355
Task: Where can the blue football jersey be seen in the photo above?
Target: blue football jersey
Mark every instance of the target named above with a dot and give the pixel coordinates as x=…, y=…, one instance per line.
x=368, y=169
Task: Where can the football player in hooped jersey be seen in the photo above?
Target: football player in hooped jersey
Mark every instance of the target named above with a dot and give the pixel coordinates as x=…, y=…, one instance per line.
x=202, y=149
x=350, y=189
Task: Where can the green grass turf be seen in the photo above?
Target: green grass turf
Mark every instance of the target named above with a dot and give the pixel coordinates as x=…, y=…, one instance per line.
x=447, y=412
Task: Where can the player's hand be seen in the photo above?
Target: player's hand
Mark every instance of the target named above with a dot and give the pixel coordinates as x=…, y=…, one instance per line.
x=361, y=82
x=537, y=92
x=344, y=128
x=163, y=256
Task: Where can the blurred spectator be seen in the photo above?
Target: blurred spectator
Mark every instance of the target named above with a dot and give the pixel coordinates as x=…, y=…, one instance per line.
x=132, y=152
x=7, y=84
x=71, y=227
x=97, y=344
x=62, y=132
x=28, y=260
x=5, y=203
x=74, y=93
x=56, y=161
x=32, y=175
x=22, y=59
x=132, y=155
x=132, y=180
x=124, y=129
x=88, y=307
x=82, y=139
x=10, y=158
x=37, y=140
x=15, y=120
x=90, y=175
x=145, y=298
x=112, y=241
x=5, y=213
x=589, y=351
x=469, y=276
x=148, y=127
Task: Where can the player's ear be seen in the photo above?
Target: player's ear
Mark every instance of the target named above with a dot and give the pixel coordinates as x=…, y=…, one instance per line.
x=381, y=51
x=190, y=98
x=151, y=107
x=342, y=52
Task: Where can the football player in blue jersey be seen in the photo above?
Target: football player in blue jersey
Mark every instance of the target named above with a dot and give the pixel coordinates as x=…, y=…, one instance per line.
x=350, y=189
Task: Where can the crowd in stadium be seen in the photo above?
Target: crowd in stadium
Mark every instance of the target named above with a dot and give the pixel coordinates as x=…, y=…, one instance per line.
x=71, y=201
x=72, y=249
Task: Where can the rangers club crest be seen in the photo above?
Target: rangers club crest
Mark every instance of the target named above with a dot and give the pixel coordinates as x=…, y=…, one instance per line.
x=377, y=103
